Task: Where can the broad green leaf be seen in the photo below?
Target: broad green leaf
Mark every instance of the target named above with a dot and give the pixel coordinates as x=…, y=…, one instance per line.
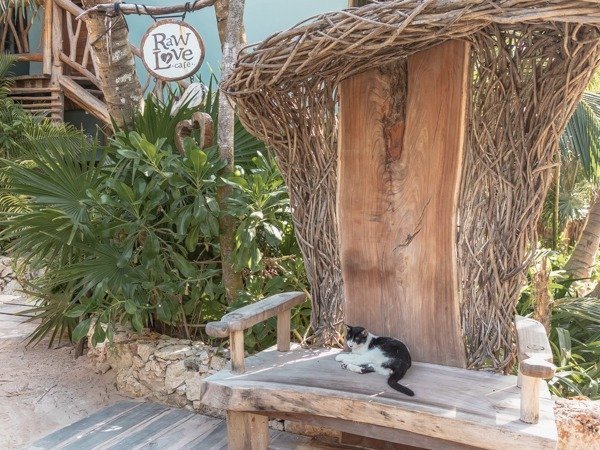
x=130, y=306
x=81, y=330
x=76, y=311
x=185, y=267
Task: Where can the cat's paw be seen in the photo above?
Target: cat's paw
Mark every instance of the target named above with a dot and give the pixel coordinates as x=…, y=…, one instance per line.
x=344, y=366
x=340, y=357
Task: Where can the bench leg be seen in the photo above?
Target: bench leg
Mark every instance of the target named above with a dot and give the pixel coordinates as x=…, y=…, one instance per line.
x=247, y=431
x=530, y=399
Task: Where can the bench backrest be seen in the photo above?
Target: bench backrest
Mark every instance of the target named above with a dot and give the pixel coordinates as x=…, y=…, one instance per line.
x=402, y=132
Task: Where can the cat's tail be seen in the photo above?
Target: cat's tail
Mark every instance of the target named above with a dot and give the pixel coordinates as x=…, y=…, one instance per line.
x=393, y=383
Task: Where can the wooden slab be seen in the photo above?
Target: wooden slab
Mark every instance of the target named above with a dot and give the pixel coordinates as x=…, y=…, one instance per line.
x=474, y=408
x=399, y=166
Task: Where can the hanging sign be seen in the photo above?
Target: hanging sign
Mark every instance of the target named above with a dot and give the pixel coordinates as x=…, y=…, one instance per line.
x=172, y=50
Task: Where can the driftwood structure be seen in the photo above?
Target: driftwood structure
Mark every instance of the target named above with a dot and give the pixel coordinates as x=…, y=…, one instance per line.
x=418, y=140
x=68, y=77
x=525, y=65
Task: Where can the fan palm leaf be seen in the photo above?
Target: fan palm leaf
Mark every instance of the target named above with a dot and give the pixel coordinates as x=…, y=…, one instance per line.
x=582, y=135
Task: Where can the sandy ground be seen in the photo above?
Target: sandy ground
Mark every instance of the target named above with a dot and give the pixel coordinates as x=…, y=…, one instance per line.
x=41, y=389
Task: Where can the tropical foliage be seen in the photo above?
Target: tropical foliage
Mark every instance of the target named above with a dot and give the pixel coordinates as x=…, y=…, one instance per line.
x=128, y=232
x=575, y=332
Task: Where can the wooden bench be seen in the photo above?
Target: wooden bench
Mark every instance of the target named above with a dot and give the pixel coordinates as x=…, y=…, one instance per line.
x=452, y=407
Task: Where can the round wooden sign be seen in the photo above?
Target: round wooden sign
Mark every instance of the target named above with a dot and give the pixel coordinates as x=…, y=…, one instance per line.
x=172, y=50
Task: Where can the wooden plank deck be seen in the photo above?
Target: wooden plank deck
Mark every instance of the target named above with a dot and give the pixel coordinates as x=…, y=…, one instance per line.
x=134, y=425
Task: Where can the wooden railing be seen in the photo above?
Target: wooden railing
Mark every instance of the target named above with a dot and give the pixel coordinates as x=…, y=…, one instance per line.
x=67, y=56
x=14, y=35
x=75, y=51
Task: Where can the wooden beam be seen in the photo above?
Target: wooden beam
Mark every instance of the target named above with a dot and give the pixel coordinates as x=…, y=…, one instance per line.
x=399, y=164
x=57, y=70
x=244, y=318
x=79, y=68
x=28, y=57
x=131, y=8
x=84, y=99
x=47, y=38
x=69, y=6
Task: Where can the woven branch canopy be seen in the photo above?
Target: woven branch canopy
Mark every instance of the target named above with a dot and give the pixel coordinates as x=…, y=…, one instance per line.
x=530, y=62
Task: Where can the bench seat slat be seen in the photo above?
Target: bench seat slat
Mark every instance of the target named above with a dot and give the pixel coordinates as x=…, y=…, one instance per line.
x=469, y=407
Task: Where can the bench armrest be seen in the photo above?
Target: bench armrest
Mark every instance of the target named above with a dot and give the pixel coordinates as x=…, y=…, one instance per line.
x=535, y=353
x=234, y=323
x=535, y=363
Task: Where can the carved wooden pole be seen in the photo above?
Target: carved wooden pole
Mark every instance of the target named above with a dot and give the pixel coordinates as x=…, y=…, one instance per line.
x=232, y=280
x=116, y=64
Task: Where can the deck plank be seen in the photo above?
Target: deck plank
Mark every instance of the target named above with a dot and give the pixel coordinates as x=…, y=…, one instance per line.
x=183, y=433
x=144, y=426
x=89, y=424
x=151, y=430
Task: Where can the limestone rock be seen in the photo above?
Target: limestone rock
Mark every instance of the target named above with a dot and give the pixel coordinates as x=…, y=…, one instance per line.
x=578, y=423
x=129, y=385
x=176, y=374
x=217, y=363
x=176, y=400
x=194, y=388
x=201, y=408
x=155, y=383
x=137, y=362
x=276, y=424
x=145, y=349
x=174, y=352
x=120, y=357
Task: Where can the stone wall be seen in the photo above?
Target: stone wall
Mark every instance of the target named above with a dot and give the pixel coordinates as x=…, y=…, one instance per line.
x=160, y=368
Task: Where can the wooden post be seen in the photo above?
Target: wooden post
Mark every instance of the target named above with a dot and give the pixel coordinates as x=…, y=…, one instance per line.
x=246, y=431
x=400, y=152
x=236, y=351
x=47, y=38
x=283, y=330
x=56, y=71
x=530, y=399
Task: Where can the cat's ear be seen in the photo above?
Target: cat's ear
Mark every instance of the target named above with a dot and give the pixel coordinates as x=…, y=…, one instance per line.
x=364, y=333
x=348, y=327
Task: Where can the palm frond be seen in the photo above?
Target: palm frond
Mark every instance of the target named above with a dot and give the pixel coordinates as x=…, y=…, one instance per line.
x=582, y=136
x=6, y=62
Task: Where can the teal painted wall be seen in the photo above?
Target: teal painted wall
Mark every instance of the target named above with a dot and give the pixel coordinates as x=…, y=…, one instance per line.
x=261, y=17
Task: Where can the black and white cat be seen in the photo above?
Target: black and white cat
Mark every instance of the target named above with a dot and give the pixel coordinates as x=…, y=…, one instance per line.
x=370, y=353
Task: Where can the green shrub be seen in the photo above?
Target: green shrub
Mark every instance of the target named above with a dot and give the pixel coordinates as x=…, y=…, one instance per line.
x=130, y=233
x=574, y=336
